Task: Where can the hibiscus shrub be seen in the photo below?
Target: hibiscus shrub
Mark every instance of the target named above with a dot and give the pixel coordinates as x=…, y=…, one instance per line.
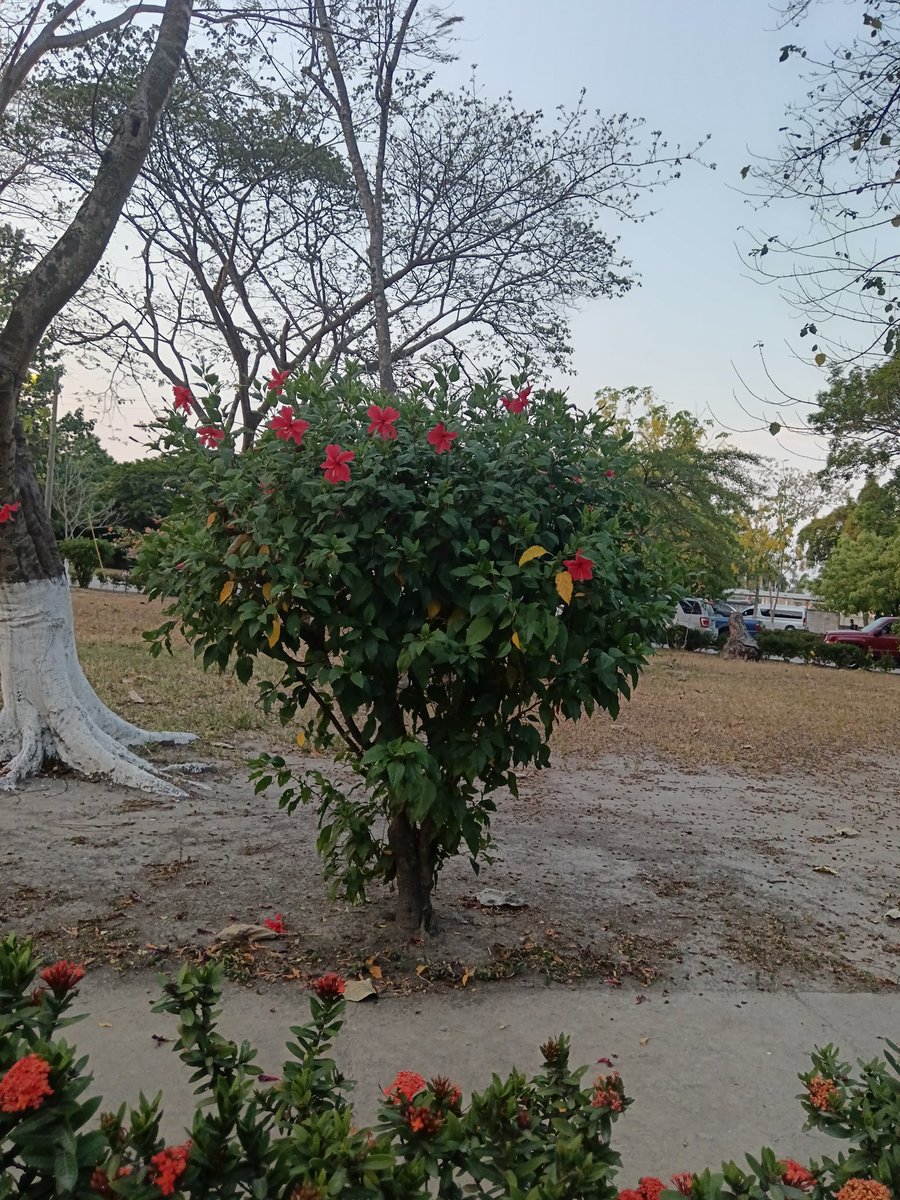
x=439, y=580
x=292, y=1137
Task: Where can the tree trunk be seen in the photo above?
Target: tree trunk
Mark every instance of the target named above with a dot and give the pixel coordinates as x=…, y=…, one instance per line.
x=412, y=848
x=50, y=711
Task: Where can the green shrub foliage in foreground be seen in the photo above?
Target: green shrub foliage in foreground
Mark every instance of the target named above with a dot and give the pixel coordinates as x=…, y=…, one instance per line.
x=440, y=577
x=293, y=1137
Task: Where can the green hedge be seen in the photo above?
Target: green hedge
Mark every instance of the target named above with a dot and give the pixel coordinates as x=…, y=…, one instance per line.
x=81, y=554
x=294, y=1137
x=789, y=644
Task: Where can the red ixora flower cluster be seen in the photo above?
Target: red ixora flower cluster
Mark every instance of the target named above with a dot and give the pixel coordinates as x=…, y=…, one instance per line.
x=683, y=1182
x=383, y=421
x=518, y=403
x=100, y=1181
x=795, y=1175
x=608, y=1092
x=25, y=1084
x=406, y=1085
x=8, y=511
x=169, y=1166
x=823, y=1093
x=446, y=1091
x=329, y=987
x=864, y=1189
x=62, y=976
x=648, y=1188
x=287, y=427
x=579, y=567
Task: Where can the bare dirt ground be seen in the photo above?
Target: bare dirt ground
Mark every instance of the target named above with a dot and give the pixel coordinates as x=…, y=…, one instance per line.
x=737, y=828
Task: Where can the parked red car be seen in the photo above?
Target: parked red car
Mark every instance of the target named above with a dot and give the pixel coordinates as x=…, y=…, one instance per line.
x=877, y=637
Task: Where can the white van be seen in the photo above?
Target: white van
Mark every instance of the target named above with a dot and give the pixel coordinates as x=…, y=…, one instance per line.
x=781, y=617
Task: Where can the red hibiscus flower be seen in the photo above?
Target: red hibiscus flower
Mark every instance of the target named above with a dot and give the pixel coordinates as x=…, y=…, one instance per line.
x=276, y=383
x=184, y=398
x=441, y=438
x=579, y=567
x=518, y=404
x=276, y=923
x=62, y=976
x=610, y=474
x=7, y=512
x=335, y=464
x=287, y=427
x=383, y=421
x=210, y=436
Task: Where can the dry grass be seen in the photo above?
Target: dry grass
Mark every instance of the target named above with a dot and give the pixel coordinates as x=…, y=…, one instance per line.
x=699, y=710
x=693, y=709
x=176, y=692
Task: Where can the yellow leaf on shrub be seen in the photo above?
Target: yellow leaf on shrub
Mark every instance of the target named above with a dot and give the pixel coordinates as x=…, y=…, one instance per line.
x=564, y=586
x=532, y=552
x=301, y=738
x=227, y=589
x=516, y=642
x=267, y=590
x=263, y=551
x=211, y=519
x=276, y=632
x=433, y=609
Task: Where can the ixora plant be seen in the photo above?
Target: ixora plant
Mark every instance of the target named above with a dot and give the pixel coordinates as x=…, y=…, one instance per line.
x=439, y=579
x=292, y=1137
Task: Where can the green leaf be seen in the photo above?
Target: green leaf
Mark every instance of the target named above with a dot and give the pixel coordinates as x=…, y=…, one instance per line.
x=65, y=1161
x=480, y=628
x=774, y=428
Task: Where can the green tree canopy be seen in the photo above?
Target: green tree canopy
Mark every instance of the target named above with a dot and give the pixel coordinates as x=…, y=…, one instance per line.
x=693, y=487
x=859, y=414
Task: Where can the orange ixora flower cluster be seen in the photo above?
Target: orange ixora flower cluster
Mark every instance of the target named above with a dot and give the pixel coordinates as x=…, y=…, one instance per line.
x=823, y=1093
x=169, y=1166
x=608, y=1092
x=25, y=1084
x=406, y=1085
x=446, y=1091
x=864, y=1189
x=424, y=1120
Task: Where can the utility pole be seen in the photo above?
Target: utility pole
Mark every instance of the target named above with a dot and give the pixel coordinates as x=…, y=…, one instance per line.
x=51, y=446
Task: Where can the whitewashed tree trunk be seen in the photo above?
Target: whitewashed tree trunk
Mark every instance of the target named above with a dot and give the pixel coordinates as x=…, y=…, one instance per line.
x=50, y=712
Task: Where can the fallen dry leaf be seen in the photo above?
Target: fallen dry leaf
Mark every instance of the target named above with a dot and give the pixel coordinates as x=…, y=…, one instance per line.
x=357, y=990
x=243, y=932
x=825, y=870
x=644, y=1041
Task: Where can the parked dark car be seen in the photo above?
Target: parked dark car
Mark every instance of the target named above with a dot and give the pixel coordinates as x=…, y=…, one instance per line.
x=878, y=637
x=724, y=612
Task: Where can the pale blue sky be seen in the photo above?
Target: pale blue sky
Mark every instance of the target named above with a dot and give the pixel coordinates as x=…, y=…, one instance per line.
x=690, y=67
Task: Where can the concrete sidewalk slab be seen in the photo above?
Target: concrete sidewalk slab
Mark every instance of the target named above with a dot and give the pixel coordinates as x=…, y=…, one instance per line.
x=716, y=1077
